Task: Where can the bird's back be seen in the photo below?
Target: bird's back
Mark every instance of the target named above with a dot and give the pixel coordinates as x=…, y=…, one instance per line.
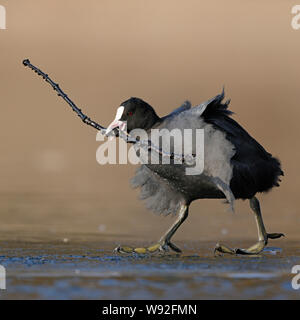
x=254, y=169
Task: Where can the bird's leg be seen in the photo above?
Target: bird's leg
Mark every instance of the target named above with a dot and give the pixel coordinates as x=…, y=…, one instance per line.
x=263, y=236
x=165, y=241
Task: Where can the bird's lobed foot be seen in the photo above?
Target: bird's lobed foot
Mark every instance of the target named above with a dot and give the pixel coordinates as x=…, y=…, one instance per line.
x=255, y=249
x=139, y=250
x=161, y=246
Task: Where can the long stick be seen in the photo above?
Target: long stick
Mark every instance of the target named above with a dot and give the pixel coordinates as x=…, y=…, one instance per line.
x=60, y=93
x=147, y=145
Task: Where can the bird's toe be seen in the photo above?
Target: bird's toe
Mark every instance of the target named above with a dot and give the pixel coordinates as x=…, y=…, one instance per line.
x=275, y=235
x=221, y=248
x=123, y=249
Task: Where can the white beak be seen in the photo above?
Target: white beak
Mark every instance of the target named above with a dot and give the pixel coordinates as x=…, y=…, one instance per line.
x=117, y=122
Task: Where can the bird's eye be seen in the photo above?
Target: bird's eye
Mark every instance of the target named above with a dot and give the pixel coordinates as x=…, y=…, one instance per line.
x=129, y=113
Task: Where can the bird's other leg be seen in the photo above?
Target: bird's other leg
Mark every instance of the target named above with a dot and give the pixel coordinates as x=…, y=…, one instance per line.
x=165, y=241
x=263, y=236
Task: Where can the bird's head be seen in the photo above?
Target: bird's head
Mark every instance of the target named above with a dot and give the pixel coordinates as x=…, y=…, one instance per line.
x=136, y=113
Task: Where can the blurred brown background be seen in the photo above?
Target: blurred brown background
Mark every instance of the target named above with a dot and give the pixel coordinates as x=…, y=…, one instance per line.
x=103, y=52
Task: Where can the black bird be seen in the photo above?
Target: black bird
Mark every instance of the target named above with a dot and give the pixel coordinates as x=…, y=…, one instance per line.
x=236, y=166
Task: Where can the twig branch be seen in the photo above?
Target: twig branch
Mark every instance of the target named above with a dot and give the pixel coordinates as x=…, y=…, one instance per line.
x=146, y=145
x=60, y=93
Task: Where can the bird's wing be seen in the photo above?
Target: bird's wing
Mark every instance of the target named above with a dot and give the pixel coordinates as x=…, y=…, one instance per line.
x=219, y=150
x=184, y=107
x=254, y=169
x=212, y=106
x=204, y=109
